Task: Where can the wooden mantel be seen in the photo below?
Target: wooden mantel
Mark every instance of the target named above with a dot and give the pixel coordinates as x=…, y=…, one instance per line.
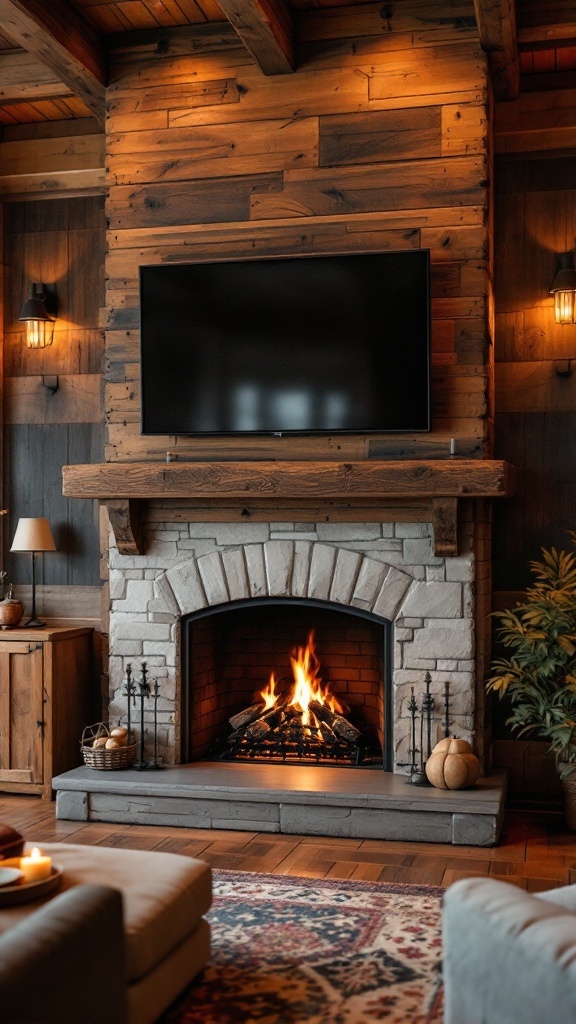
x=233, y=486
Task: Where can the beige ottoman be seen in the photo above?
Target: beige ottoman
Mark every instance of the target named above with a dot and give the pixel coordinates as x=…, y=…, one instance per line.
x=167, y=940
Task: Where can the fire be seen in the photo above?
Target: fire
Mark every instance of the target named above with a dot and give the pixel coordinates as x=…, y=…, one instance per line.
x=269, y=694
x=307, y=687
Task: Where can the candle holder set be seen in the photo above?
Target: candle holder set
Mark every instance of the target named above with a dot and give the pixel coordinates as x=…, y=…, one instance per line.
x=140, y=692
x=421, y=719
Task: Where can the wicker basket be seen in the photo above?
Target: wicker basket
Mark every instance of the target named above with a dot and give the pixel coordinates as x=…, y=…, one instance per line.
x=101, y=759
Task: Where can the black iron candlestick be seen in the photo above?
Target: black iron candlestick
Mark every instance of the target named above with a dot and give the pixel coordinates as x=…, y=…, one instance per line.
x=130, y=693
x=428, y=704
x=154, y=765
x=417, y=766
x=417, y=775
x=446, y=708
x=412, y=751
x=144, y=692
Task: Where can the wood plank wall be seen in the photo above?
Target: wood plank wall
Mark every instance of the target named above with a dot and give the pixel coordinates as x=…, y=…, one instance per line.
x=59, y=242
x=379, y=141
x=535, y=421
x=535, y=408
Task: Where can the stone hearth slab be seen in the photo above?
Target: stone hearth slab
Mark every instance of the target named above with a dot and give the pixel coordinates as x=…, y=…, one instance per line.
x=297, y=800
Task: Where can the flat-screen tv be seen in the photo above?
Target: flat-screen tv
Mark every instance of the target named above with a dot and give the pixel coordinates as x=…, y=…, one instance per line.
x=305, y=345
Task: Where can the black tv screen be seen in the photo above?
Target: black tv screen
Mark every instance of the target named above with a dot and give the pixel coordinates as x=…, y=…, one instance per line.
x=312, y=344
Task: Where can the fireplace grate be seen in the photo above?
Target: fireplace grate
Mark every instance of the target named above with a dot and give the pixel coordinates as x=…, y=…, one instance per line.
x=279, y=735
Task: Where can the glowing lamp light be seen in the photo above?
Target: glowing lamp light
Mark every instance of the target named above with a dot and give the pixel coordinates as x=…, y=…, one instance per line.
x=563, y=288
x=38, y=320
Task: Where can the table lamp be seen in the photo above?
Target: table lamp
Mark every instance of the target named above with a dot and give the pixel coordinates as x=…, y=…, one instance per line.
x=33, y=535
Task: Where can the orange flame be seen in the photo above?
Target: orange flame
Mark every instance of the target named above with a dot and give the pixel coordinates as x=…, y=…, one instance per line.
x=269, y=694
x=307, y=685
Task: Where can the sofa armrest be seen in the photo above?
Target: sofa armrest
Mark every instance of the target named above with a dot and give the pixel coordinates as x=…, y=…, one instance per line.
x=508, y=956
x=64, y=963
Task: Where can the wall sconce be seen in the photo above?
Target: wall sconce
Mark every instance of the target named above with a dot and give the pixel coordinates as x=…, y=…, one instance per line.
x=563, y=288
x=38, y=313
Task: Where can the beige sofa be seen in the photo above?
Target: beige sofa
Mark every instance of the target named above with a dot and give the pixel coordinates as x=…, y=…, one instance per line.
x=509, y=956
x=165, y=939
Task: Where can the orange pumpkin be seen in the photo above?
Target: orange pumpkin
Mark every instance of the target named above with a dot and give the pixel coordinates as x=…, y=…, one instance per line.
x=452, y=765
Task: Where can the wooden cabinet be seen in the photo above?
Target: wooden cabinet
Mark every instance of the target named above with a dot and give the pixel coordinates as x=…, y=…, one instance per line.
x=46, y=699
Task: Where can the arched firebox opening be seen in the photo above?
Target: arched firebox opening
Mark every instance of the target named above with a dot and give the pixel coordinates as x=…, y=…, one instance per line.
x=242, y=697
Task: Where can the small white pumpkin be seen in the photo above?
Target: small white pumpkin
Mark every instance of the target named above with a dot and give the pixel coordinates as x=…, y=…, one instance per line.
x=452, y=765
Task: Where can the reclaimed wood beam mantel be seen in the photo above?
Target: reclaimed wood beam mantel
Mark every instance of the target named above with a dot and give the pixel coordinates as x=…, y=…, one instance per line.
x=441, y=483
x=59, y=36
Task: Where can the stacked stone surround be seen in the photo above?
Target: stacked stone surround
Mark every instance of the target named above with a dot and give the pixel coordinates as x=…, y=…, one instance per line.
x=388, y=569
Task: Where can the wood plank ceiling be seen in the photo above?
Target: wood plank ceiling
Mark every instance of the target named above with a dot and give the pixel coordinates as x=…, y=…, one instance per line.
x=48, y=74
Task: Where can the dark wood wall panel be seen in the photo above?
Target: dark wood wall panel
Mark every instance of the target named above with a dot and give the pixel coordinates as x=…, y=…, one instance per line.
x=541, y=446
x=535, y=410
x=535, y=420
x=35, y=455
x=59, y=242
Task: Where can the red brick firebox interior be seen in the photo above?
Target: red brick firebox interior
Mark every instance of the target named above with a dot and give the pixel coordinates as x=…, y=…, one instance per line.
x=231, y=654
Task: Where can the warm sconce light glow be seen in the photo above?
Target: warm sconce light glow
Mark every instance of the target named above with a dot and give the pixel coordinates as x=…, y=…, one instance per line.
x=38, y=333
x=39, y=322
x=563, y=288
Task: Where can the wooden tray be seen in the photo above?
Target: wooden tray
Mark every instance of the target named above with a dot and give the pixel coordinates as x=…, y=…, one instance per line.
x=25, y=892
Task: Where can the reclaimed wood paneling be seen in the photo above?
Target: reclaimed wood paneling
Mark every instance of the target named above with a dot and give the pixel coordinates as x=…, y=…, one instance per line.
x=48, y=165
x=411, y=23
x=23, y=77
x=203, y=202
x=379, y=141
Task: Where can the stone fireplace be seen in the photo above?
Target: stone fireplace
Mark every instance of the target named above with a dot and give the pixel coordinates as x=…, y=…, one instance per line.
x=404, y=545
x=385, y=572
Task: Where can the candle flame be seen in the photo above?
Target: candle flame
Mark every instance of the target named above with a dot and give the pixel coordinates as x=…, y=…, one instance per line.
x=36, y=854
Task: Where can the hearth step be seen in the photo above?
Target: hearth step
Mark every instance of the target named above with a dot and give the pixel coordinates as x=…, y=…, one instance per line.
x=317, y=801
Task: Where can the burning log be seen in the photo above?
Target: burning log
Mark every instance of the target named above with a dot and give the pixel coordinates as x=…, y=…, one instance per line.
x=298, y=720
x=337, y=723
x=257, y=731
x=245, y=717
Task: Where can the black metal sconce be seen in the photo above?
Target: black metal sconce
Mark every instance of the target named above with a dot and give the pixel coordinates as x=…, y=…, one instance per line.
x=563, y=288
x=39, y=313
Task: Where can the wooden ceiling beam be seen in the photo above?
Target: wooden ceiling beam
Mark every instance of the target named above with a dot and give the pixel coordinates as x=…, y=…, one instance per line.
x=24, y=79
x=62, y=40
x=496, y=20
x=266, y=27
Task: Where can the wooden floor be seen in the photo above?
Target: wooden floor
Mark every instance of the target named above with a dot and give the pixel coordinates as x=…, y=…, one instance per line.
x=536, y=852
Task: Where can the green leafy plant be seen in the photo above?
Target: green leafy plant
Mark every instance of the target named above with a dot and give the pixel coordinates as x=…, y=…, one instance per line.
x=540, y=675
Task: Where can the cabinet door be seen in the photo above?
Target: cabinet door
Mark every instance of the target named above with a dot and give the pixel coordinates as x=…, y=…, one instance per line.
x=21, y=712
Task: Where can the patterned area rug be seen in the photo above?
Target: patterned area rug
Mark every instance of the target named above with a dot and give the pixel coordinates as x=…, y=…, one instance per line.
x=292, y=950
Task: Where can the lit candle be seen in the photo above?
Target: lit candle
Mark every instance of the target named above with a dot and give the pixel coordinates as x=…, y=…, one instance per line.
x=36, y=867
